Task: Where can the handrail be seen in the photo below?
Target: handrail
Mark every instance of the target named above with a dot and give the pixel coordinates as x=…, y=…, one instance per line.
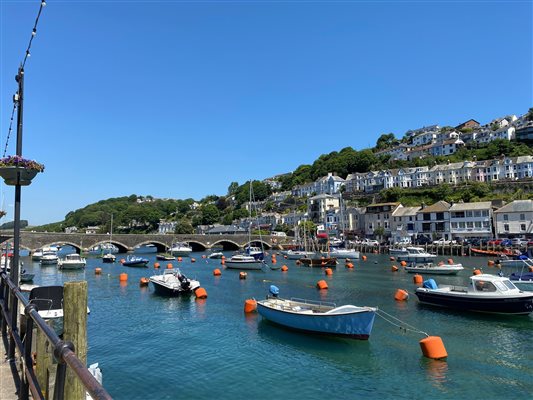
x=63, y=350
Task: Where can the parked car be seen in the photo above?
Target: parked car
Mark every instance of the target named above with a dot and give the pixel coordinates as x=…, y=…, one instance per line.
x=519, y=242
x=370, y=242
x=444, y=242
x=422, y=240
x=506, y=243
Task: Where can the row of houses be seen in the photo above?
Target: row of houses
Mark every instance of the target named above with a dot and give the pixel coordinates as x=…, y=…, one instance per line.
x=504, y=168
x=398, y=223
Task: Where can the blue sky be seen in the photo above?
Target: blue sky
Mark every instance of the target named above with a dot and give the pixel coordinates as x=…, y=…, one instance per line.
x=178, y=99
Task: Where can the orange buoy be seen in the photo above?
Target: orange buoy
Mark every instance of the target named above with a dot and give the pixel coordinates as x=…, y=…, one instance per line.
x=433, y=347
x=144, y=281
x=401, y=295
x=242, y=275
x=284, y=268
x=392, y=258
x=123, y=277
x=274, y=261
x=180, y=259
x=193, y=260
x=217, y=272
x=322, y=284
x=122, y=261
x=477, y=272
x=403, y=263
x=223, y=257
x=285, y=257
x=200, y=293
x=490, y=263
x=418, y=279
x=97, y=271
x=170, y=266
x=364, y=258
x=250, y=305
x=156, y=265
x=349, y=265
x=394, y=268
x=450, y=261
x=328, y=271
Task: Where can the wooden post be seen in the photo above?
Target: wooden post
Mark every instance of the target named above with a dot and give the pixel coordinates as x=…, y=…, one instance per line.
x=75, y=330
x=44, y=361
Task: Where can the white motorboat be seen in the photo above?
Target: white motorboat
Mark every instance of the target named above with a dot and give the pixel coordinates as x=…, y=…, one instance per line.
x=243, y=261
x=344, y=253
x=217, y=254
x=485, y=293
x=416, y=254
x=173, y=283
x=180, y=249
x=49, y=258
x=72, y=261
x=297, y=254
x=109, y=258
x=430, y=268
x=515, y=261
x=397, y=251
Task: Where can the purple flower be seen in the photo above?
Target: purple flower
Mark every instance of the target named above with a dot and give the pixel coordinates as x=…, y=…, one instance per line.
x=18, y=161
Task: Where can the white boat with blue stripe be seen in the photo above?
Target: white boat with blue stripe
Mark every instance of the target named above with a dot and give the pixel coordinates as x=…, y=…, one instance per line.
x=318, y=317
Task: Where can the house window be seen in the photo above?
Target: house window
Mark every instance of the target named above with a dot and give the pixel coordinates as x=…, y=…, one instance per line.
x=522, y=217
x=440, y=216
x=477, y=213
x=370, y=226
x=454, y=225
x=427, y=217
x=506, y=227
x=462, y=225
x=478, y=224
x=486, y=224
x=505, y=217
x=469, y=224
x=523, y=227
x=469, y=214
x=485, y=213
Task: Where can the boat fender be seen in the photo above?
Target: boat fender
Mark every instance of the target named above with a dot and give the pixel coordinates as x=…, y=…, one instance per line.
x=430, y=284
x=274, y=290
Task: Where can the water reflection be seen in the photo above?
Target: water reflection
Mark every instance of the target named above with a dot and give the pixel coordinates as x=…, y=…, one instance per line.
x=437, y=371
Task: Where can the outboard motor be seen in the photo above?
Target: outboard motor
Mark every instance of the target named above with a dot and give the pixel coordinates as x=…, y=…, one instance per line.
x=274, y=291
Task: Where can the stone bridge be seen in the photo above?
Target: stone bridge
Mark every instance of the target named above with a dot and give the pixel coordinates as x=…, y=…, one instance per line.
x=128, y=242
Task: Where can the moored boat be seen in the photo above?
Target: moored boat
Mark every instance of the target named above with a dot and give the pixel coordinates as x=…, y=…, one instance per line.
x=319, y=261
x=135, y=261
x=243, y=261
x=216, y=254
x=485, y=293
x=72, y=261
x=165, y=256
x=318, y=317
x=297, y=254
x=180, y=249
x=415, y=254
x=344, y=253
x=109, y=258
x=173, y=283
x=430, y=268
x=49, y=258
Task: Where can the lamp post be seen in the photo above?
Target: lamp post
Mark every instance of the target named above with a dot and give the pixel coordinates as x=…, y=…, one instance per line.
x=19, y=96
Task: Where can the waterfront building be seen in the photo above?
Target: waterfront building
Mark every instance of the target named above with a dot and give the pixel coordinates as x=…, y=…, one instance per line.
x=434, y=220
x=354, y=220
x=446, y=147
x=517, y=167
x=226, y=230
x=399, y=152
x=470, y=124
x=403, y=227
x=525, y=133
x=293, y=218
x=90, y=230
x=165, y=227
x=318, y=205
x=379, y=215
x=468, y=220
x=515, y=219
x=329, y=184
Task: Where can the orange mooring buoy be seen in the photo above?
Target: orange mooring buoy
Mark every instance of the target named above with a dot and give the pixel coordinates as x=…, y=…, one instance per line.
x=250, y=305
x=156, y=265
x=97, y=271
x=170, y=266
x=450, y=261
x=217, y=272
x=144, y=281
x=123, y=277
x=349, y=265
x=394, y=268
x=284, y=268
x=364, y=258
x=418, y=279
x=490, y=263
x=193, y=260
x=401, y=295
x=180, y=259
x=403, y=263
x=242, y=275
x=328, y=271
x=200, y=293
x=477, y=272
x=433, y=347
x=322, y=284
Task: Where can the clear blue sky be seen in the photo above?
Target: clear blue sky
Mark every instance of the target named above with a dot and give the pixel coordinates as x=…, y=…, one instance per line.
x=180, y=98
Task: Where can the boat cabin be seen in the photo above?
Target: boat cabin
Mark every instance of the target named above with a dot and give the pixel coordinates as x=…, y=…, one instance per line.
x=491, y=283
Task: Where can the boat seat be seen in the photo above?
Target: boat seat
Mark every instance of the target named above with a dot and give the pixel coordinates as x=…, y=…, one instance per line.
x=47, y=297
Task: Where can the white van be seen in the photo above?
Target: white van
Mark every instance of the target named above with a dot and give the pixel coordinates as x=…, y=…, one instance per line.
x=275, y=233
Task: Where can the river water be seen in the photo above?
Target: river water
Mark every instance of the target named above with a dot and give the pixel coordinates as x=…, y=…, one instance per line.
x=151, y=347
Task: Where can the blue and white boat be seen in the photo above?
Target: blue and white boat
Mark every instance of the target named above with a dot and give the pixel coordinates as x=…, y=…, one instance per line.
x=135, y=261
x=318, y=317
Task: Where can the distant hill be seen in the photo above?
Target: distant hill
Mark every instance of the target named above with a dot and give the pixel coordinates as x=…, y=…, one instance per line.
x=10, y=224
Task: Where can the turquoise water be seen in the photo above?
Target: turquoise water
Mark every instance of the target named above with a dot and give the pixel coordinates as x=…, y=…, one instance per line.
x=151, y=347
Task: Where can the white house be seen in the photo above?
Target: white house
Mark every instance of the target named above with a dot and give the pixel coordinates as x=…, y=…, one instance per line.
x=515, y=219
x=319, y=205
x=469, y=220
x=434, y=220
x=403, y=226
x=354, y=220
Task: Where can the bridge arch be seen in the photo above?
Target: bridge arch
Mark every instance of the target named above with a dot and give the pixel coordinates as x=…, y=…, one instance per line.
x=160, y=246
x=122, y=248
x=259, y=243
x=226, y=244
x=197, y=245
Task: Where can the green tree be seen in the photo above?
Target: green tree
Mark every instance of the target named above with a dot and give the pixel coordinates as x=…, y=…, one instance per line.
x=385, y=141
x=184, y=227
x=210, y=214
x=232, y=188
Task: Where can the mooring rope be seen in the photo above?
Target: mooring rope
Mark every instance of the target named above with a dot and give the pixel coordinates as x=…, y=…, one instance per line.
x=391, y=319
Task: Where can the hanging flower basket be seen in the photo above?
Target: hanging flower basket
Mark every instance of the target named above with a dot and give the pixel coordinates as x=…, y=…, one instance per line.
x=18, y=171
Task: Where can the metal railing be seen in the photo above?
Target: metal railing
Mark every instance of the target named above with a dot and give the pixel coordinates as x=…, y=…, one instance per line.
x=10, y=295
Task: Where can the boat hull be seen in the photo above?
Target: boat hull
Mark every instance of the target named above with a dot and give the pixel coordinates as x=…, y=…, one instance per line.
x=355, y=325
x=254, y=265
x=68, y=266
x=416, y=258
x=319, y=262
x=138, y=264
x=167, y=291
x=436, y=270
x=522, y=305
x=344, y=254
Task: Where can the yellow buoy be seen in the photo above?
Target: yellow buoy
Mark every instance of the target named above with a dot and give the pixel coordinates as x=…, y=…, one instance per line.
x=401, y=295
x=433, y=347
x=250, y=305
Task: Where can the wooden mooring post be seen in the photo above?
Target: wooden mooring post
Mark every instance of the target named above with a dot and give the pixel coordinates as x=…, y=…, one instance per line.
x=75, y=330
